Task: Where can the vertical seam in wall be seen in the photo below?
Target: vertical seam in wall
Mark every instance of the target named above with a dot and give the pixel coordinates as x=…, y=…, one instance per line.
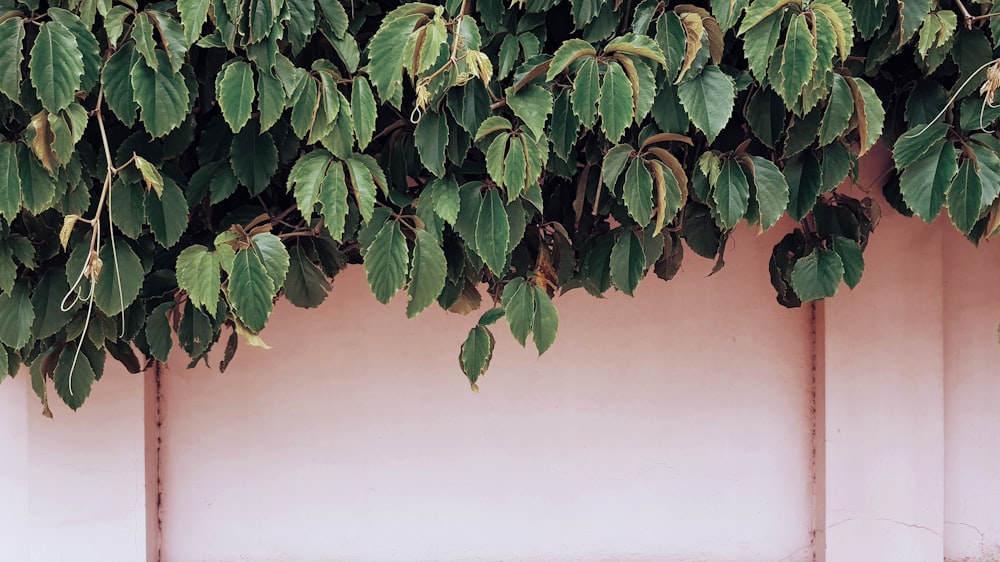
x=813, y=429
x=159, y=482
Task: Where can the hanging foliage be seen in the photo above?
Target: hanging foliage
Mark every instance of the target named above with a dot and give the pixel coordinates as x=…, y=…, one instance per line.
x=169, y=169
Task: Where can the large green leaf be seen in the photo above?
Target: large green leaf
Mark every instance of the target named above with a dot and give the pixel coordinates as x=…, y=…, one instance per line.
x=17, y=314
x=193, y=15
x=306, y=178
x=546, y=323
x=167, y=215
x=235, y=92
x=839, y=109
x=46, y=301
x=251, y=290
x=364, y=109
x=199, y=275
x=532, y=105
x=446, y=200
x=569, y=51
x=254, y=158
x=759, y=44
x=638, y=192
x=431, y=136
x=912, y=14
x=854, y=262
x=798, y=59
x=586, y=91
x=73, y=376
x=476, y=352
x=771, y=191
x=273, y=255
x=305, y=286
x=917, y=142
x=158, y=331
x=56, y=66
x=85, y=42
x=964, y=197
x=162, y=95
x=493, y=232
x=628, y=263
x=120, y=279
x=427, y=276
x=708, y=99
x=924, y=182
x=11, y=55
x=116, y=77
x=363, y=186
x=817, y=275
x=518, y=300
x=615, y=104
x=10, y=181
x=803, y=175
x=386, y=72
x=732, y=194
x=333, y=198
x=386, y=262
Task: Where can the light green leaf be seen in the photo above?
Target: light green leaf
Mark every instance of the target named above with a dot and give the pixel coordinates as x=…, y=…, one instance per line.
x=11, y=55
x=17, y=315
x=637, y=45
x=615, y=104
x=56, y=66
x=492, y=124
x=493, y=232
x=586, y=90
x=839, y=109
x=167, y=215
x=912, y=14
x=199, y=275
x=364, y=109
x=495, y=158
x=193, y=15
x=151, y=177
x=444, y=195
x=254, y=158
x=120, y=279
x=797, y=60
x=431, y=138
x=546, y=324
x=251, y=290
x=708, y=99
x=817, y=275
x=964, y=197
x=362, y=186
x=566, y=54
x=73, y=382
x=490, y=317
x=235, y=91
x=162, y=95
x=761, y=9
x=760, y=43
x=532, y=104
x=386, y=72
x=628, y=263
x=638, y=192
x=924, y=182
x=732, y=194
x=273, y=255
x=427, y=276
x=772, y=191
x=476, y=352
x=306, y=178
x=515, y=169
x=518, y=300
x=917, y=142
x=850, y=254
x=305, y=286
x=10, y=181
x=333, y=198
x=386, y=262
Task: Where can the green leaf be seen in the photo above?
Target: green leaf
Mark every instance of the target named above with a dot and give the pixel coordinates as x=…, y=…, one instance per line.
x=273, y=255
x=199, y=275
x=964, y=197
x=817, y=275
x=17, y=314
x=445, y=198
x=760, y=43
x=797, y=60
x=566, y=54
x=167, y=215
x=912, y=14
x=251, y=290
x=850, y=254
x=363, y=186
x=493, y=232
x=333, y=198
x=38, y=189
x=518, y=300
x=708, y=99
x=254, y=158
x=270, y=99
x=120, y=279
x=305, y=286
x=142, y=34
x=839, y=109
x=638, y=192
x=116, y=77
x=924, y=182
x=73, y=382
x=727, y=12
x=586, y=90
x=158, y=331
x=532, y=104
x=11, y=55
x=615, y=104
x=56, y=66
x=988, y=162
x=760, y=10
x=364, y=109
x=235, y=91
x=732, y=194
x=431, y=138
x=546, y=323
x=10, y=181
x=476, y=352
x=628, y=263
x=386, y=72
x=802, y=172
x=47, y=304
x=872, y=112
x=835, y=164
x=515, y=169
x=193, y=15
x=161, y=94
x=771, y=190
x=490, y=317
x=917, y=142
x=386, y=262
x=427, y=276
x=306, y=178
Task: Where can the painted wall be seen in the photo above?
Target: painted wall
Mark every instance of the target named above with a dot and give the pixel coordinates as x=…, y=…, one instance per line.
x=698, y=421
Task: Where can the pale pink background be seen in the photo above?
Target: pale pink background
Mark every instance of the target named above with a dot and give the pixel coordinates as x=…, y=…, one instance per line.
x=698, y=421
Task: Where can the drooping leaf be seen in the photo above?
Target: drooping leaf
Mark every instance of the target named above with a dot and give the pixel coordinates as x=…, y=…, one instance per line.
x=199, y=275
x=917, y=142
x=333, y=198
x=167, y=215
x=427, y=276
x=162, y=95
x=56, y=66
x=120, y=279
x=546, y=322
x=305, y=286
x=273, y=254
x=387, y=262
x=17, y=314
x=235, y=90
x=519, y=308
x=732, y=194
x=803, y=175
x=10, y=181
x=817, y=275
x=73, y=376
x=586, y=91
x=306, y=178
x=850, y=255
x=839, y=109
x=709, y=99
x=364, y=109
x=924, y=182
x=771, y=191
x=493, y=232
x=11, y=55
x=615, y=102
x=116, y=78
x=431, y=136
x=532, y=105
x=628, y=263
x=251, y=290
x=964, y=197
x=638, y=192
x=798, y=59
x=193, y=15
x=254, y=158
x=476, y=352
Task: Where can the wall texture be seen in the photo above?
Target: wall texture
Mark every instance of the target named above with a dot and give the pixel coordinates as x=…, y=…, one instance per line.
x=698, y=421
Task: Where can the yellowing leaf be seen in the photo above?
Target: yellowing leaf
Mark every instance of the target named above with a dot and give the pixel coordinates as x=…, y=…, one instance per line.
x=69, y=221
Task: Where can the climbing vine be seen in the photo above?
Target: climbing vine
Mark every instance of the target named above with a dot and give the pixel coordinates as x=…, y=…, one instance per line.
x=168, y=170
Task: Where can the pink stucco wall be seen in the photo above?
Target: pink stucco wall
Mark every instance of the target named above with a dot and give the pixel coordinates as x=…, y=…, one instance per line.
x=698, y=421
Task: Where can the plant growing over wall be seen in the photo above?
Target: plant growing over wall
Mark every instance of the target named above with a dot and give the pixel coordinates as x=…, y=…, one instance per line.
x=169, y=169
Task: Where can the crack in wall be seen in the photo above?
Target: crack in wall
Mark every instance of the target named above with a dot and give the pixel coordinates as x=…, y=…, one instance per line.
x=886, y=520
